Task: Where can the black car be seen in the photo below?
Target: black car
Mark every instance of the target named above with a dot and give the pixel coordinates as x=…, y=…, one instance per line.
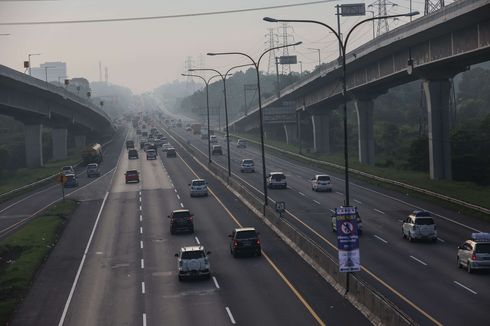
x=171, y=152
x=245, y=241
x=181, y=221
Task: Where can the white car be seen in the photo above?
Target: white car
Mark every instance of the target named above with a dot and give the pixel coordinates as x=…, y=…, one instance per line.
x=419, y=226
x=198, y=187
x=321, y=182
x=247, y=165
x=68, y=169
x=475, y=253
x=151, y=154
x=193, y=262
x=276, y=180
x=241, y=143
x=213, y=139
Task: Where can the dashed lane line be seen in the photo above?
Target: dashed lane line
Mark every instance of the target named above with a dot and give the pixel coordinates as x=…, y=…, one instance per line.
x=465, y=287
x=380, y=239
x=230, y=315
x=418, y=260
x=215, y=282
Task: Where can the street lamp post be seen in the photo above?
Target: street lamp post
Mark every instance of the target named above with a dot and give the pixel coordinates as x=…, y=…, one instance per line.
x=319, y=55
x=207, y=106
x=256, y=65
x=223, y=77
x=29, y=60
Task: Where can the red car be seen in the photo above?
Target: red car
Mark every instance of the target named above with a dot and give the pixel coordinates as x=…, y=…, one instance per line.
x=132, y=176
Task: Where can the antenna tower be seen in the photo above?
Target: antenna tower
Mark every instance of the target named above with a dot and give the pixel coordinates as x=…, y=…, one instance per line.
x=433, y=5
x=286, y=69
x=383, y=26
x=271, y=42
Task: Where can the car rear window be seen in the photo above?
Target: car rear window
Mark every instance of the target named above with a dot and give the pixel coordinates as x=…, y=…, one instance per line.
x=248, y=162
x=132, y=173
x=181, y=214
x=278, y=176
x=423, y=214
x=324, y=178
x=192, y=254
x=198, y=183
x=482, y=248
x=424, y=221
x=246, y=234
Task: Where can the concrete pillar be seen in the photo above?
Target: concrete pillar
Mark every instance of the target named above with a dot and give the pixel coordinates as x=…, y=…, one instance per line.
x=60, y=137
x=437, y=99
x=291, y=133
x=34, y=145
x=80, y=141
x=321, y=133
x=364, y=110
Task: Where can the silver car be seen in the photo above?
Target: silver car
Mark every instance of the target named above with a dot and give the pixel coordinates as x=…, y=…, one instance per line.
x=193, y=262
x=198, y=187
x=247, y=165
x=419, y=226
x=475, y=253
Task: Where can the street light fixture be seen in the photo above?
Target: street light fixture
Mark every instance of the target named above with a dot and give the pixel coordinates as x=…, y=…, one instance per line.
x=343, y=47
x=207, y=106
x=29, y=60
x=256, y=65
x=223, y=77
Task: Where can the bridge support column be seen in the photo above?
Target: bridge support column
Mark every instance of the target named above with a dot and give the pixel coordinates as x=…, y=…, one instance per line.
x=321, y=133
x=291, y=133
x=80, y=141
x=364, y=110
x=437, y=98
x=60, y=137
x=34, y=145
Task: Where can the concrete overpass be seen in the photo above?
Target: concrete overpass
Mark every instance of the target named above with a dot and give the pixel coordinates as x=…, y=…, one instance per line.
x=438, y=46
x=36, y=103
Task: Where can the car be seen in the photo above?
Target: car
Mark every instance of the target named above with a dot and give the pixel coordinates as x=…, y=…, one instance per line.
x=71, y=180
x=142, y=143
x=419, y=226
x=321, y=182
x=276, y=180
x=245, y=241
x=188, y=128
x=93, y=170
x=247, y=165
x=133, y=154
x=181, y=221
x=159, y=142
x=198, y=187
x=132, y=176
x=358, y=219
x=217, y=150
x=474, y=254
x=193, y=262
x=68, y=169
x=138, y=131
x=241, y=143
x=151, y=154
x=129, y=144
x=213, y=139
x=171, y=152
x=166, y=146
x=144, y=133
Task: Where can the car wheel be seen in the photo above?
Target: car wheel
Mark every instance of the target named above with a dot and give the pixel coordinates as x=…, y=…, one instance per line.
x=459, y=262
x=468, y=267
x=410, y=237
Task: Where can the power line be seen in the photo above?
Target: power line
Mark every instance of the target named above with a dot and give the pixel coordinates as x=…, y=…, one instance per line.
x=208, y=13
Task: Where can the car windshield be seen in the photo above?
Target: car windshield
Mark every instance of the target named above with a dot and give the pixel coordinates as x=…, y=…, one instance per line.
x=482, y=248
x=246, y=234
x=193, y=254
x=248, y=162
x=151, y=151
x=132, y=172
x=92, y=166
x=199, y=183
x=324, y=178
x=424, y=221
x=181, y=214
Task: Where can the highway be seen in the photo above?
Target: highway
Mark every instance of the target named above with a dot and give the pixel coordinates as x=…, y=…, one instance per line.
x=421, y=278
x=128, y=275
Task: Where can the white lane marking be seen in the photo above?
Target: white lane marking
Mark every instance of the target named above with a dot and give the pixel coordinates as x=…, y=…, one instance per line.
x=465, y=287
x=418, y=260
x=141, y=244
x=141, y=208
x=339, y=193
x=141, y=218
x=380, y=238
x=144, y=319
x=79, y=271
x=181, y=205
x=442, y=240
x=358, y=201
x=142, y=263
x=400, y=220
x=331, y=210
x=316, y=201
x=302, y=194
x=377, y=210
x=141, y=230
x=175, y=190
x=230, y=315
x=216, y=282
x=197, y=240
x=143, y=288
x=178, y=197
x=140, y=193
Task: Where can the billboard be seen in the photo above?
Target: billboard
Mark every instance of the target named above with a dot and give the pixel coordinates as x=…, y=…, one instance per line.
x=348, y=239
x=354, y=9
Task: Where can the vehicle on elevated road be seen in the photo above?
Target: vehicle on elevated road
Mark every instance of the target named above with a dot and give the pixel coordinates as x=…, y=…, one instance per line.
x=68, y=169
x=193, y=262
x=474, y=254
x=198, y=187
x=247, y=165
x=71, y=181
x=419, y=226
x=276, y=180
x=321, y=182
x=93, y=170
x=245, y=241
x=181, y=221
x=132, y=176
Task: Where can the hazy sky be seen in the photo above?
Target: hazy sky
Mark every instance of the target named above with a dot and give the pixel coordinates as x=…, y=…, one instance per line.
x=145, y=54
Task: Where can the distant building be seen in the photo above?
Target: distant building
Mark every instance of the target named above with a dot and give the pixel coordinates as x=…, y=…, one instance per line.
x=53, y=71
x=80, y=87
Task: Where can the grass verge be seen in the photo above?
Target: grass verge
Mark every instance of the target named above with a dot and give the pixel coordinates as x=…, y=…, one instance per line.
x=23, y=252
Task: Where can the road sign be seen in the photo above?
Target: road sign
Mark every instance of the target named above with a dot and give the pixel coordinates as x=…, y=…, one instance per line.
x=288, y=60
x=353, y=9
x=61, y=178
x=348, y=239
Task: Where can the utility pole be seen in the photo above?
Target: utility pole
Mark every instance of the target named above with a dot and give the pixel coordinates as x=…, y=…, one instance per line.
x=272, y=42
x=106, y=75
x=432, y=6
x=100, y=71
x=383, y=26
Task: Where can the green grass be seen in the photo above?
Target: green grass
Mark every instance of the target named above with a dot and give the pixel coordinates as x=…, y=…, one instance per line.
x=466, y=191
x=23, y=252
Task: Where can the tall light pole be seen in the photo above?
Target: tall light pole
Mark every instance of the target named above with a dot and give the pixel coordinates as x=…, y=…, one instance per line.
x=206, y=81
x=300, y=69
x=343, y=47
x=372, y=13
x=256, y=65
x=223, y=77
x=29, y=60
x=319, y=56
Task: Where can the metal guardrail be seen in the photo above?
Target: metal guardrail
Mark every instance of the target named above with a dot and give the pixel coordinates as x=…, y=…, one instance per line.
x=385, y=180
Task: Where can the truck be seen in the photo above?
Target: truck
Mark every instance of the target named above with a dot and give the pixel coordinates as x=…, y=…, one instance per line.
x=196, y=128
x=92, y=154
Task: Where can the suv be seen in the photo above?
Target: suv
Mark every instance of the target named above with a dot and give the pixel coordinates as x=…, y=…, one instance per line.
x=68, y=169
x=133, y=154
x=213, y=139
x=71, y=180
x=419, y=225
x=198, y=187
x=358, y=219
x=217, y=150
x=475, y=253
x=247, y=165
x=93, y=170
x=181, y=221
x=276, y=180
x=321, y=182
x=132, y=176
x=151, y=154
x=241, y=143
x=193, y=262
x=245, y=240
x=171, y=152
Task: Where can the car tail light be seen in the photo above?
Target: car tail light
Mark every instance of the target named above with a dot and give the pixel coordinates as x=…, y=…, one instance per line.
x=473, y=257
x=257, y=242
x=235, y=243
